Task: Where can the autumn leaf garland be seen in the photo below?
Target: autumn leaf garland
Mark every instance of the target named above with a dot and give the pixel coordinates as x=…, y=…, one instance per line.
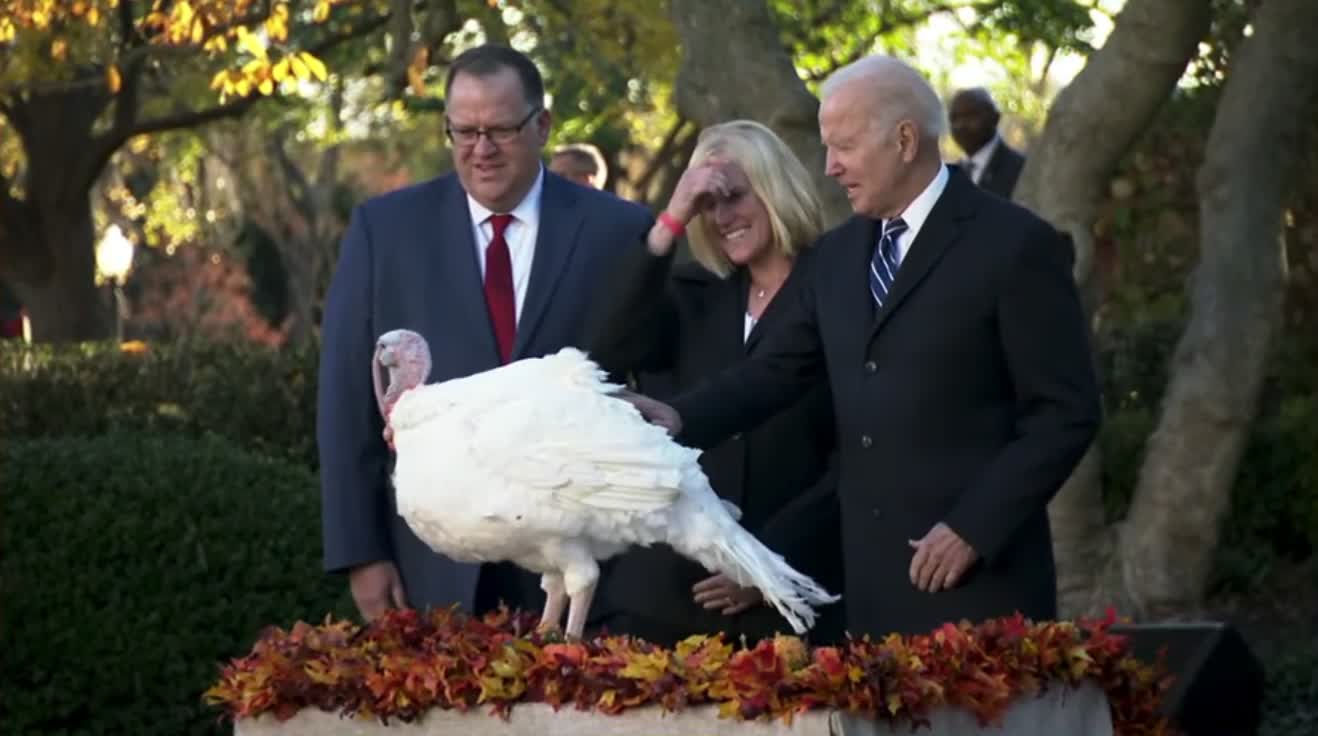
x=407, y=663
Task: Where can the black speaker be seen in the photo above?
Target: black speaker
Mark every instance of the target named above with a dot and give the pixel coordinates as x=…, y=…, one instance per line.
x=1218, y=685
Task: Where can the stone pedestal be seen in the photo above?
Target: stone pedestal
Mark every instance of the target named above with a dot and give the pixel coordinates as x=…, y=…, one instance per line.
x=1079, y=712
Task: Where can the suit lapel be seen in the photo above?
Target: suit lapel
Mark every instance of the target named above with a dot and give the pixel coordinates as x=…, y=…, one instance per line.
x=859, y=301
x=940, y=230
x=993, y=166
x=451, y=221
x=560, y=219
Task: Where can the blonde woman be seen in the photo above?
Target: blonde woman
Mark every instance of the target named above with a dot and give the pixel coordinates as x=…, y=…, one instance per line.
x=748, y=208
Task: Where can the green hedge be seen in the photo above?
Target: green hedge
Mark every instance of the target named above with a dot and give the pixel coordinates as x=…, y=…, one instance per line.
x=261, y=398
x=133, y=565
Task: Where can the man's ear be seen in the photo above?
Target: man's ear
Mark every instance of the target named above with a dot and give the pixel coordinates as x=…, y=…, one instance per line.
x=543, y=120
x=908, y=140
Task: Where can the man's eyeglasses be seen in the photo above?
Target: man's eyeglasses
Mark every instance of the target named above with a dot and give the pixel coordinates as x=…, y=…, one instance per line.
x=498, y=134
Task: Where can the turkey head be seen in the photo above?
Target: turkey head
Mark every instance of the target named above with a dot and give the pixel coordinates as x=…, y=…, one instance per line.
x=405, y=356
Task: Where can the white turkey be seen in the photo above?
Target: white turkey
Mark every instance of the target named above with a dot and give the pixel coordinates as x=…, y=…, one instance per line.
x=541, y=464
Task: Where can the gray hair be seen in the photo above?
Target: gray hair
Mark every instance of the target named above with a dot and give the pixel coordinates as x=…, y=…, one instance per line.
x=904, y=92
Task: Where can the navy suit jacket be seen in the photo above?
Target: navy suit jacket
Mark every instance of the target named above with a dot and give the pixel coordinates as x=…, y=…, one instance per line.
x=408, y=260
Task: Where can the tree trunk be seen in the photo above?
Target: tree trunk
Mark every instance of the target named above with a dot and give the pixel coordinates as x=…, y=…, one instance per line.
x=1218, y=368
x=1090, y=126
x=293, y=205
x=47, y=241
x=735, y=66
x=65, y=305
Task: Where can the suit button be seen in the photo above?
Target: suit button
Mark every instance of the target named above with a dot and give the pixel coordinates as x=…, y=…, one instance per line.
x=866, y=441
x=871, y=366
x=736, y=437
x=876, y=513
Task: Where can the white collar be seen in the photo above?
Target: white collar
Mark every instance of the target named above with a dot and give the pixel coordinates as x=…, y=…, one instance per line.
x=985, y=152
x=527, y=211
x=918, y=210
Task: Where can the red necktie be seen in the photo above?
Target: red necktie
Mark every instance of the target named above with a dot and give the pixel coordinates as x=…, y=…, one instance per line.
x=499, y=287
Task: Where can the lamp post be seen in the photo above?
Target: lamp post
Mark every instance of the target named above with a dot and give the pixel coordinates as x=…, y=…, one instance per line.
x=114, y=259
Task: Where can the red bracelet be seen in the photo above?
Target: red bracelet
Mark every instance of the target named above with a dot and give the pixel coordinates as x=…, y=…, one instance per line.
x=670, y=222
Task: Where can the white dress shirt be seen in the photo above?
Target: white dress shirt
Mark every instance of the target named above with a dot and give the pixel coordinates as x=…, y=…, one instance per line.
x=980, y=161
x=918, y=211
x=520, y=236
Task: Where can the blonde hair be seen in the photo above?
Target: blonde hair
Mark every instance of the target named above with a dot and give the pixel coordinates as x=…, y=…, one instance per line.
x=776, y=176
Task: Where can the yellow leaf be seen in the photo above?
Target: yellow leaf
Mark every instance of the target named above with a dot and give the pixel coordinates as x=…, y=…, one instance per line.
x=216, y=44
x=250, y=43
x=94, y=16
x=180, y=22
x=267, y=86
x=198, y=31
x=300, y=68
x=220, y=80
x=280, y=70
x=276, y=26
x=316, y=66
x=112, y=79
x=321, y=14
x=59, y=49
x=894, y=703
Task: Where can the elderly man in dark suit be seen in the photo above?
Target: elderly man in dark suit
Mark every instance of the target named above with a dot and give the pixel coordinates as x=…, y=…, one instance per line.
x=948, y=327
x=496, y=262
x=989, y=162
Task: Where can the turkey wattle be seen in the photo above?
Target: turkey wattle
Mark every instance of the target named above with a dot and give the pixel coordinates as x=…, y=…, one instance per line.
x=539, y=463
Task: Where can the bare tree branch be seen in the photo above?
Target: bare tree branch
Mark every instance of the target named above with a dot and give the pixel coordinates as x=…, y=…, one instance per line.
x=661, y=156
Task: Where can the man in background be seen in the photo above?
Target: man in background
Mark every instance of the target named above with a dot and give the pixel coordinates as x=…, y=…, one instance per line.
x=989, y=162
x=582, y=163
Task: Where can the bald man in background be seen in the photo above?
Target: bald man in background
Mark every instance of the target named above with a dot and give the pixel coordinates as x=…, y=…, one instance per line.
x=582, y=163
x=989, y=162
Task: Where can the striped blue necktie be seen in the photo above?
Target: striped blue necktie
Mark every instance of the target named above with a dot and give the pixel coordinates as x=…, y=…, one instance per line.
x=883, y=266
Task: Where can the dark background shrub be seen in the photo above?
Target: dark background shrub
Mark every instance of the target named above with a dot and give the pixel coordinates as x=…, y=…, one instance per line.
x=260, y=398
x=133, y=565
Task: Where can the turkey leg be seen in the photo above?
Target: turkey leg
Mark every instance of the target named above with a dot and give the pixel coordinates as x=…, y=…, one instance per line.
x=576, y=612
x=555, y=599
x=580, y=578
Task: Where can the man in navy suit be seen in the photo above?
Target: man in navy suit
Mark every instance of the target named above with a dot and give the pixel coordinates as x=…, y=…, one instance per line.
x=496, y=262
x=948, y=327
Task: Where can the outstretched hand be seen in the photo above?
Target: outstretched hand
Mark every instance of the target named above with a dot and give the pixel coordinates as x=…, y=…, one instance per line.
x=719, y=592
x=655, y=412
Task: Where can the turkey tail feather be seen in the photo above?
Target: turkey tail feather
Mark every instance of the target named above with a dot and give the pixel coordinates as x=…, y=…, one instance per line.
x=740, y=556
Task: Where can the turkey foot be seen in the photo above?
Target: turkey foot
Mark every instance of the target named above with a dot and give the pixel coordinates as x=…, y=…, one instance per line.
x=555, y=599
